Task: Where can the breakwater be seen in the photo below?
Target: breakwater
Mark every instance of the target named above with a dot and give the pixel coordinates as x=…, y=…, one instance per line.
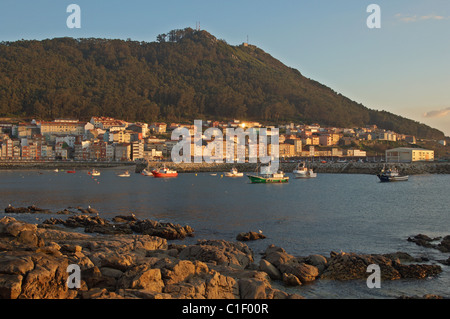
x=332, y=168
x=61, y=164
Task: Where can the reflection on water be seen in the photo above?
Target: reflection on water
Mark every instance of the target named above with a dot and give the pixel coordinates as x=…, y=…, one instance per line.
x=352, y=213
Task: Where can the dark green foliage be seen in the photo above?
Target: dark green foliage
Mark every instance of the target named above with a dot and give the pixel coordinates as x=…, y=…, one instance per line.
x=185, y=75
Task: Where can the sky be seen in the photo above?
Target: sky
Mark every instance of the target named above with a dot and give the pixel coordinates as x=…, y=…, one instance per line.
x=402, y=67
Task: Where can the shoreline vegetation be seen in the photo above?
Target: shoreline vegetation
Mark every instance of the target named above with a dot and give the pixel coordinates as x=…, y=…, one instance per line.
x=128, y=258
x=416, y=168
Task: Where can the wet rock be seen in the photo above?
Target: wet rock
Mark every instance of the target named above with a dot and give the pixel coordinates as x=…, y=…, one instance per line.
x=414, y=271
x=26, y=210
x=354, y=266
x=444, y=245
x=423, y=240
x=249, y=236
x=165, y=230
x=125, y=218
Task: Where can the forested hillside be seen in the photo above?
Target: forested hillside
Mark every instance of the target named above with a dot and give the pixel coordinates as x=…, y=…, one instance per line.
x=184, y=75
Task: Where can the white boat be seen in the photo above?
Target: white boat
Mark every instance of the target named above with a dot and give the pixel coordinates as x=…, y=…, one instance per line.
x=56, y=170
x=146, y=173
x=125, y=174
x=391, y=175
x=94, y=173
x=234, y=173
x=302, y=171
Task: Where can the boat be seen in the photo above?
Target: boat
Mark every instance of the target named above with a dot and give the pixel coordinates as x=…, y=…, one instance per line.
x=71, y=172
x=391, y=175
x=56, y=170
x=234, y=173
x=164, y=172
x=94, y=172
x=146, y=173
x=124, y=174
x=302, y=171
x=266, y=177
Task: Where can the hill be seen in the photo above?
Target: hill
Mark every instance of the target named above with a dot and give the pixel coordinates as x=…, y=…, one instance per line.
x=184, y=75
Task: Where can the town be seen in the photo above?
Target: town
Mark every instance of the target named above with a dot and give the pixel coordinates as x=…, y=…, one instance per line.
x=105, y=139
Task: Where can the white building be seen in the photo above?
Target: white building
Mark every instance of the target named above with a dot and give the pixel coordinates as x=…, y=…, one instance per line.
x=408, y=155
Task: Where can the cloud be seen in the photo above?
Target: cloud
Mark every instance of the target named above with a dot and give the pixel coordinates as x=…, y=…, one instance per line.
x=438, y=113
x=416, y=18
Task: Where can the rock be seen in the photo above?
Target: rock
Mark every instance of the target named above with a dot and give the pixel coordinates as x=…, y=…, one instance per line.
x=400, y=257
x=444, y=245
x=291, y=280
x=418, y=271
x=270, y=269
x=47, y=280
x=10, y=286
x=278, y=258
x=252, y=289
x=353, y=266
x=423, y=240
x=318, y=261
x=142, y=277
x=19, y=233
x=125, y=218
x=249, y=236
x=219, y=252
x=26, y=210
x=304, y=272
x=165, y=230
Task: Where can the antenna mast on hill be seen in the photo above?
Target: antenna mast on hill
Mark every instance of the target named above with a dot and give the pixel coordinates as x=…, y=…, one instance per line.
x=197, y=26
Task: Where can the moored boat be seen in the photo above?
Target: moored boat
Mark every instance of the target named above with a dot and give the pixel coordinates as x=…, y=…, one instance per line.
x=124, y=174
x=391, y=175
x=302, y=171
x=266, y=177
x=164, y=172
x=146, y=173
x=71, y=172
x=234, y=173
x=94, y=172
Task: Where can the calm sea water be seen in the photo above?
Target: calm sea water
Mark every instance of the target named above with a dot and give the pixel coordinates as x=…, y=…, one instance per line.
x=334, y=212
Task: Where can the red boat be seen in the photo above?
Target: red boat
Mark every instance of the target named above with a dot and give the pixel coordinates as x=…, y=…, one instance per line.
x=164, y=172
x=71, y=172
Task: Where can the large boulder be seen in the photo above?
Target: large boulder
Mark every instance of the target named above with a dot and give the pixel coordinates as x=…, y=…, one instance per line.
x=219, y=252
x=250, y=236
x=351, y=266
x=290, y=265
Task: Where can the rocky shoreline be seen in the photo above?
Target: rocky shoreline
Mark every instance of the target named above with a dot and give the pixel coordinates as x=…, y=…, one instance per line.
x=128, y=258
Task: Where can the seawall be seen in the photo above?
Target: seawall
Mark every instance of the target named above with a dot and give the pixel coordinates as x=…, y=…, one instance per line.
x=60, y=165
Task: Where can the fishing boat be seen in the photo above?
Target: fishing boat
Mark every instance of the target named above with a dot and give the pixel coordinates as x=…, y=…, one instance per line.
x=125, y=174
x=302, y=171
x=94, y=172
x=56, y=170
x=267, y=177
x=164, y=172
x=234, y=173
x=146, y=173
x=391, y=175
x=71, y=172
